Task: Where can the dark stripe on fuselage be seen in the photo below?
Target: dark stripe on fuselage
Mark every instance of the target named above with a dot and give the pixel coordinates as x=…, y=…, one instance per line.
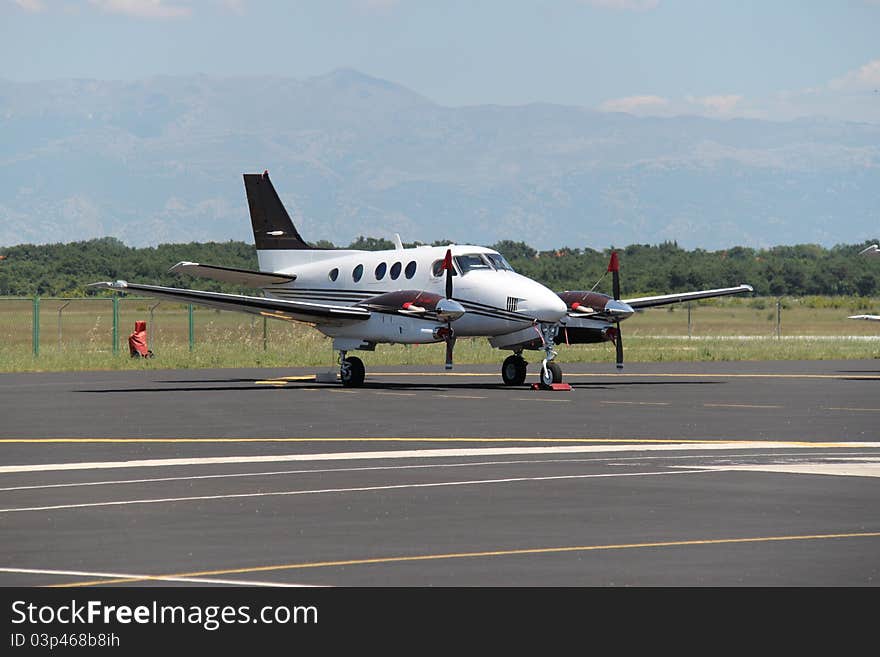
x=336, y=296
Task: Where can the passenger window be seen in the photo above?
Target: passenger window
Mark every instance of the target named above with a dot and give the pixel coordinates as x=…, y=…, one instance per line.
x=395, y=271
x=380, y=271
x=334, y=273
x=357, y=273
x=410, y=270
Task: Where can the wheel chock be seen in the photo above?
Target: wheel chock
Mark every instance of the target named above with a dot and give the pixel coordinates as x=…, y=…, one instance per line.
x=552, y=386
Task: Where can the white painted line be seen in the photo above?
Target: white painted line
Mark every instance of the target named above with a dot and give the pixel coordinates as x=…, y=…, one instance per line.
x=164, y=578
x=429, y=453
x=398, y=394
x=742, y=406
x=383, y=468
x=843, y=408
x=461, y=396
x=836, y=469
x=356, y=489
x=540, y=399
x=636, y=403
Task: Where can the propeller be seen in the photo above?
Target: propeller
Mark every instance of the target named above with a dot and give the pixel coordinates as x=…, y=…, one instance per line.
x=448, y=310
x=614, y=268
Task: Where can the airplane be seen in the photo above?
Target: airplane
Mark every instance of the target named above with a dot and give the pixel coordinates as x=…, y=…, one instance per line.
x=873, y=250
x=419, y=295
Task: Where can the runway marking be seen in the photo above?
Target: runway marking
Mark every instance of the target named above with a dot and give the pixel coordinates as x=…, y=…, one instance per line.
x=870, y=469
x=135, y=578
x=463, y=464
x=397, y=394
x=620, y=446
x=488, y=553
x=742, y=406
x=636, y=403
x=655, y=374
x=354, y=489
x=843, y=408
x=540, y=399
x=461, y=396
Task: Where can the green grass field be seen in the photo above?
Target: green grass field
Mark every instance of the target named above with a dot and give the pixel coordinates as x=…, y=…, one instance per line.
x=79, y=336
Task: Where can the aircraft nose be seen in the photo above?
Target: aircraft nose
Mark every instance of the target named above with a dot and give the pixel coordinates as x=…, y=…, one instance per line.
x=548, y=307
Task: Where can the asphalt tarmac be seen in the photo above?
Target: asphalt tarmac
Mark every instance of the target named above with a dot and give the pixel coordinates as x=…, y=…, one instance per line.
x=677, y=474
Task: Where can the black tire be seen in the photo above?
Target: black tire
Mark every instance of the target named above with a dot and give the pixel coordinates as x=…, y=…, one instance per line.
x=513, y=370
x=553, y=374
x=353, y=375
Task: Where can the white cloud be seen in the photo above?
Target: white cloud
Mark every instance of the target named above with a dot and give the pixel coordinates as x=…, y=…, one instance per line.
x=717, y=104
x=623, y=5
x=636, y=105
x=30, y=5
x=864, y=78
x=143, y=8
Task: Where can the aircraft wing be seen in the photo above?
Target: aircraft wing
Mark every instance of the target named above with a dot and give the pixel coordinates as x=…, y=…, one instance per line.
x=871, y=318
x=300, y=311
x=664, y=299
x=232, y=275
x=873, y=250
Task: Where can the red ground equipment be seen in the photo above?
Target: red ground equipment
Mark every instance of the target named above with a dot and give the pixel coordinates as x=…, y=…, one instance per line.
x=137, y=341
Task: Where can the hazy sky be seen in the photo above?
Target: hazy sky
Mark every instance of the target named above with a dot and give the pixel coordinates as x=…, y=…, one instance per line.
x=774, y=59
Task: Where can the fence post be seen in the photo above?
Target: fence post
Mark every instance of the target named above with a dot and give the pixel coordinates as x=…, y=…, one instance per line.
x=59, y=324
x=265, y=334
x=689, y=319
x=115, y=324
x=192, y=336
x=154, y=328
x=778, y=318
x=36, y=326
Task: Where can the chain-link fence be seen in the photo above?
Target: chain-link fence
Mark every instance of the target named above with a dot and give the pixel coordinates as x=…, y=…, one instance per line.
x=101, y=325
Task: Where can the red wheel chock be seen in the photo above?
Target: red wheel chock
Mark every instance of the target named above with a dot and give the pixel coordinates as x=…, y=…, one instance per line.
x=552, y=386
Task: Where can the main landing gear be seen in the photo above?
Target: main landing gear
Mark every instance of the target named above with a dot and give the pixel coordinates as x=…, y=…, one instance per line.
x=351, y=370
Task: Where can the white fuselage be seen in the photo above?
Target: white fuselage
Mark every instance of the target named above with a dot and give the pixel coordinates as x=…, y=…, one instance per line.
x=497, y=300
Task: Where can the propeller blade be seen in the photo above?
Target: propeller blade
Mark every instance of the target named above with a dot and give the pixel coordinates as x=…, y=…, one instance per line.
x=447, y=265
x=450, y=345
x=619, y=345
x=614, y=268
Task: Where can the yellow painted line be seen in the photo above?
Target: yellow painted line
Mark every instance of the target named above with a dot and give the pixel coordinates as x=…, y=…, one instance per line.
x=277, y=384
x=473, y=555
x=742, y=406
x=636, y=403
x=649, y=375
x=843, y=408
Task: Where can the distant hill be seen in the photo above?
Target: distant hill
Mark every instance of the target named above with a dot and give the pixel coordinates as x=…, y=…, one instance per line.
x=160, y=161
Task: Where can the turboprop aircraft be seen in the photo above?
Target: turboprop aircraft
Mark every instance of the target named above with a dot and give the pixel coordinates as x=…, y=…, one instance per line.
x=424, y=294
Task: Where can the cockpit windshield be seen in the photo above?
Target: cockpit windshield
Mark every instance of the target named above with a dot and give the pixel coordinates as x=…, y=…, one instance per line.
x=499, y=262
x=472, y=261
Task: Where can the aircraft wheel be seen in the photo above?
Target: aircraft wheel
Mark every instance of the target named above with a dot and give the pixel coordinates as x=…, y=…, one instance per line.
x=513, y=371
x=553, y=374
x=353, y=372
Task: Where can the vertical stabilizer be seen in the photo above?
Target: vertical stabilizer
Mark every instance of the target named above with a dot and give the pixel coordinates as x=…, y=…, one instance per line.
x=273, y=229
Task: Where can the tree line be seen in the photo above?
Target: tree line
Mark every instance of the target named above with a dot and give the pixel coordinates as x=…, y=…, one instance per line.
x=799, y=270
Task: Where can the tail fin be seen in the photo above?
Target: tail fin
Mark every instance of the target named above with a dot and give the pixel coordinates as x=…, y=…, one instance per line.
x=273, y=229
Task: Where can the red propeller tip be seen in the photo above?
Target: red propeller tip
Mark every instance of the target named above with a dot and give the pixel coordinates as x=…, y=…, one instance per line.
x=614, y=264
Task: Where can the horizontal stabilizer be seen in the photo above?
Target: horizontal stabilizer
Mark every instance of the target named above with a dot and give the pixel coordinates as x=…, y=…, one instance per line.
x=246, y=277
x=872, y=250
x=870, y=318
x=664, y=299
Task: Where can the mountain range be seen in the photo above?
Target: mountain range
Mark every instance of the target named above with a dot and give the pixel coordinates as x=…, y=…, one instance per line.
x=159, y=160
